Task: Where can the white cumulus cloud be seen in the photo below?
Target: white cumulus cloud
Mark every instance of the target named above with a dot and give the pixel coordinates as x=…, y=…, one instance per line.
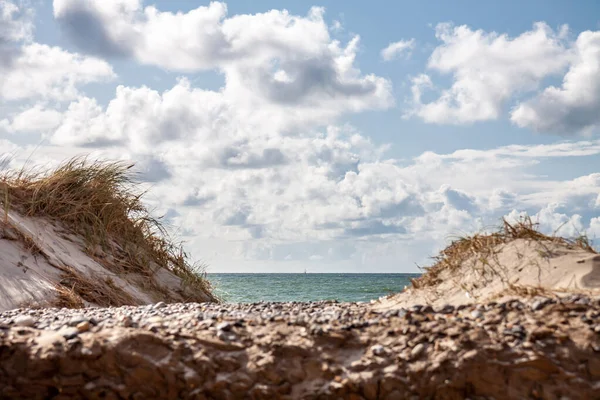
x=396, y=49
x=574, y=107
x=273, y=56
x=487, y=69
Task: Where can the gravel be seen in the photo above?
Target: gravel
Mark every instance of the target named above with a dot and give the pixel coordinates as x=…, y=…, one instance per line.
x=303, y=350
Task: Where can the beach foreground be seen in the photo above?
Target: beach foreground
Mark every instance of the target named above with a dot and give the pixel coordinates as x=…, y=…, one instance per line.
x=538, y=347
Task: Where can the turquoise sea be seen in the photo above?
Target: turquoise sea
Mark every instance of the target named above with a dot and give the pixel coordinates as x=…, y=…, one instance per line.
x=250, y=288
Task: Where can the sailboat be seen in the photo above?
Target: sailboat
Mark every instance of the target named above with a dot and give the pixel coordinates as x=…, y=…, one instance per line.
x=304, y=270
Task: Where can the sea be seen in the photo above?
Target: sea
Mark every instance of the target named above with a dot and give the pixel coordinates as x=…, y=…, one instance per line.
x=252, y=288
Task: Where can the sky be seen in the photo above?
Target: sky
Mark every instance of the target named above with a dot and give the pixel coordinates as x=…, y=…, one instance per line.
x=279, y=136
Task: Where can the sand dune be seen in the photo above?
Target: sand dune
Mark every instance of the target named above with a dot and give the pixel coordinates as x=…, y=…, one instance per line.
x=79, y=236
x=506, y=264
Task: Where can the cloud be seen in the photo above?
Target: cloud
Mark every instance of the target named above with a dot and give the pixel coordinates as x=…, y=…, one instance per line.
x=553, y=222
x=572, y=108
x=85, y=23
x=15, y=22
x=141, y=117
x=50, y=72
x=594, y=230
x=15, y=26
x=274, y=56
x=29, y=69
x=487, y=70
x=399, y=48
x=36, y=119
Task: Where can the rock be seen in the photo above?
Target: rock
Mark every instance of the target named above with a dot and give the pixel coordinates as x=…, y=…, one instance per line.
x=25, y=320
x=447, y=309
x=126, y=321
x=378, y=350
x=539, y=303
x=224, y=326
x=159, y=305
x=417, y=350
x=470, y=354
x=77, y=320
x=69, y=333
x=416, y=308
x=427, y=310
x=83, y=326
x=226, y=336
x=156, y=320
x=476, y=314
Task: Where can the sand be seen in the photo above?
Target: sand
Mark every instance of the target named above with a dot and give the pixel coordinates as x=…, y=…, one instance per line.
x=518, y=267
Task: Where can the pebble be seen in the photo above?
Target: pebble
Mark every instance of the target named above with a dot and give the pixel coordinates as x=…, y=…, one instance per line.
x=538, y=304
x=378, y=350
x=25, y=320
x=69, y=333
x=76, y=320
x=447, y=309
x=83, y=326
x=226, y=336
x=224, y=326
x=417, y=350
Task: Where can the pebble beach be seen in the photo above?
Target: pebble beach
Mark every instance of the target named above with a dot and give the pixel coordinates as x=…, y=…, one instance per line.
x=540, y=347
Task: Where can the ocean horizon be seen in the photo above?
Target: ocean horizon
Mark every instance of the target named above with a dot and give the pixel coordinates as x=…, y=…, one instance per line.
x=315, y=286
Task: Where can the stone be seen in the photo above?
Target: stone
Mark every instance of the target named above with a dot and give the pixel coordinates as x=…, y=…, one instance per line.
x=539, y=304
x=83, y=326
x=378, y=350
x=224, y=326
x=69, y=333
x=447, y=309
x=417, y=350
x=25, y=320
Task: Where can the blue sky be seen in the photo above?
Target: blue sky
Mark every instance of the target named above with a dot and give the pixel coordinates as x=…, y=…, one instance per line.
x=279, y=136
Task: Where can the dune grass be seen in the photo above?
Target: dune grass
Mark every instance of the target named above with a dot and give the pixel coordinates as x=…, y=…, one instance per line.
x=484, y=247
x=98, y=200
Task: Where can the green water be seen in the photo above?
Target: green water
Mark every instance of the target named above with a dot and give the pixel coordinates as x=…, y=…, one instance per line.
x=251, y=288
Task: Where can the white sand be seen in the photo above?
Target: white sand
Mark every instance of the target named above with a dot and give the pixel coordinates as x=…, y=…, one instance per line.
x=525, y=264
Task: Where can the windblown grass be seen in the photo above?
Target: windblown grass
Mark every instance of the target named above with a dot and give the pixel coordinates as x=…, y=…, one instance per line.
x=97, y=200
x=74, y=288
x=483, y=248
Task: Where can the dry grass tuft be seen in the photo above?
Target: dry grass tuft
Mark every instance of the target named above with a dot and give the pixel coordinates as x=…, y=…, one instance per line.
x=526, y=291
x=97, y=201
x=484, y=247
x=74, y=288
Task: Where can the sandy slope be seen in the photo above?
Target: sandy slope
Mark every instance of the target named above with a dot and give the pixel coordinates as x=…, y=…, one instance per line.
x=39, y=260
x=517, y=267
